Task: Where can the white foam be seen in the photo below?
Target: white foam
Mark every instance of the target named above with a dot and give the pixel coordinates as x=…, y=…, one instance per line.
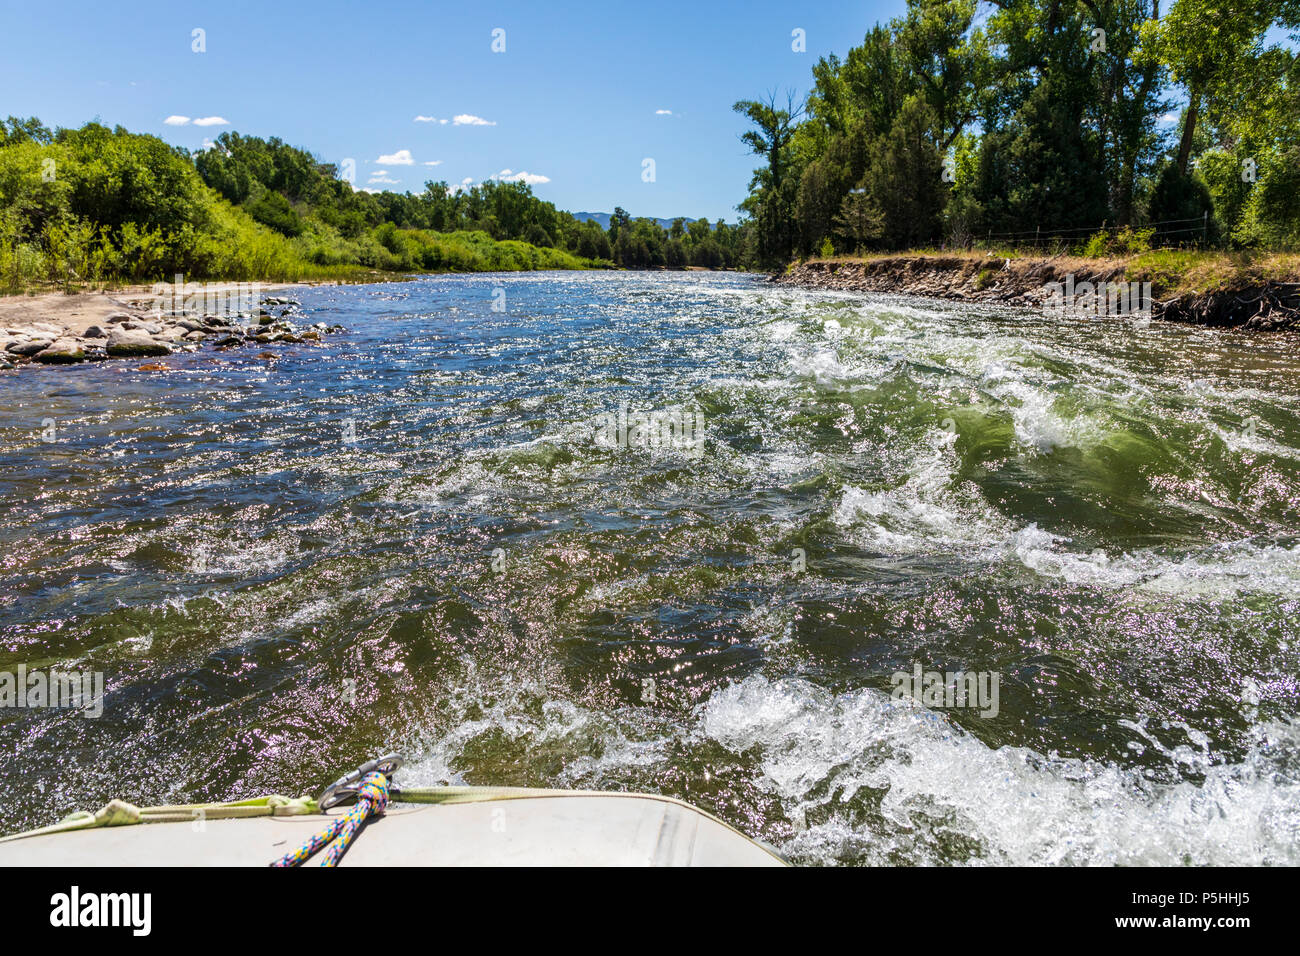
x=927, y=511
x=1219, y=570
x=818, y=750
x=885, y=781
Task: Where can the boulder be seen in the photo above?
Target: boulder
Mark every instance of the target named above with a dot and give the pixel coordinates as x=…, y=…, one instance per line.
x=29, y=347
x=128, y=342
x=64, y=351
x=94, y=332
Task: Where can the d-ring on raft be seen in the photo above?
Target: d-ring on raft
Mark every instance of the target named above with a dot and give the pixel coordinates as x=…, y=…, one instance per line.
x=421, y=826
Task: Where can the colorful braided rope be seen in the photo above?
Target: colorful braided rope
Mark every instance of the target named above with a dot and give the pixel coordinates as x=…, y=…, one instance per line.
x=372, y=798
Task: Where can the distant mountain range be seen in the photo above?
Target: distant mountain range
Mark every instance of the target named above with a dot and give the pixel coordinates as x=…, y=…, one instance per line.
x=603, y=219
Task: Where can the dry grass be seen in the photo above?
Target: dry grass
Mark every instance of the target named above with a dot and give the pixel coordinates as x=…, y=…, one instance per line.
x=1170, y=271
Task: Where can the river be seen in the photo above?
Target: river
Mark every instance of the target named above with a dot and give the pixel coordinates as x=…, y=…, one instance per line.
x=434, y=535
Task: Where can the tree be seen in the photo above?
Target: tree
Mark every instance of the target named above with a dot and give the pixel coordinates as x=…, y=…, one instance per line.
x=771, y=140
x=905, y=183
x=860, y=219
x=1206, y=44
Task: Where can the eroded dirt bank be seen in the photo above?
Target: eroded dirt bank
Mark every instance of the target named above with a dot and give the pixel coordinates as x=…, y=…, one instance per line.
x=1042, y=283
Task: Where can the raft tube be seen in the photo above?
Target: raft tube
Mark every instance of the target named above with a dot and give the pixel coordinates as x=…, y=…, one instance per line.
x=515, y=828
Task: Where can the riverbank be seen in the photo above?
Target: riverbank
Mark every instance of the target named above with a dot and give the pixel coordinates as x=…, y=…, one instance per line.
x=60, y=329
x=1214, y=289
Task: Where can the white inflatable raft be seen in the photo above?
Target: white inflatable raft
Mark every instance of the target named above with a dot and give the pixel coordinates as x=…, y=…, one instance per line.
x=496, y=827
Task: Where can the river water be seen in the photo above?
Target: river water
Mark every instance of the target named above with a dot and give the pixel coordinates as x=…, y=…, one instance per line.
x=418, y=538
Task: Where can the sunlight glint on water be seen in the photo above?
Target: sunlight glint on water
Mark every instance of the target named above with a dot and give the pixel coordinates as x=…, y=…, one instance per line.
x=1104, y=515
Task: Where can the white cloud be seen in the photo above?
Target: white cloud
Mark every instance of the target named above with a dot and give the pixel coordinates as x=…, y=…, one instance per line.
x=176, y=120
x=434, y=162
x=427, y=119
x=380, y=172
x=383, y=179
x=506, y=176
x=400, y=158
x=1168, y=118
x=212, y=121
x=663, y=112
x=466, y=119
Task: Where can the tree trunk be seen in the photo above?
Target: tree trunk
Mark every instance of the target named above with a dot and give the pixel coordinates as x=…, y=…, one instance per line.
x=1189, y=127
x=1131, y=146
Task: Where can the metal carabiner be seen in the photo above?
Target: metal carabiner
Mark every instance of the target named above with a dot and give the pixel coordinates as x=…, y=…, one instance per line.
x=347, y=786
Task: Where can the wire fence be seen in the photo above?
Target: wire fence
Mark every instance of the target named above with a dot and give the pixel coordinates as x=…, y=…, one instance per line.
x=1197, y=233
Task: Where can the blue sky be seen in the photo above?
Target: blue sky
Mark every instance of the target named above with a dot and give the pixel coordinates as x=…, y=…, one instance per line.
x=575, y=97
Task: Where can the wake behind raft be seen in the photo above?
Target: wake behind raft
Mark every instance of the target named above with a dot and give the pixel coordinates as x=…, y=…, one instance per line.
x=364, y=819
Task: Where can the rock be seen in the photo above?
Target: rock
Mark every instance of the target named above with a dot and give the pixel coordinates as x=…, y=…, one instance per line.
x=117, y=318
x=312, y=335
x=152, y=367
x=64, y=351
x=94, y=332
x=197, y=335
x=29, y=347
x=190, y=325
x=127, y=342
x=267, y=355
x=153, y=328
x=229, y=342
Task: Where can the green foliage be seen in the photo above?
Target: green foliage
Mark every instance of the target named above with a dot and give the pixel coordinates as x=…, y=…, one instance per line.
x=1271, y=216
x=1052, y=119
x=1229, y=192
x=273, y=209
x=93, y=206
x=1125, y=241
x=1179, y=202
